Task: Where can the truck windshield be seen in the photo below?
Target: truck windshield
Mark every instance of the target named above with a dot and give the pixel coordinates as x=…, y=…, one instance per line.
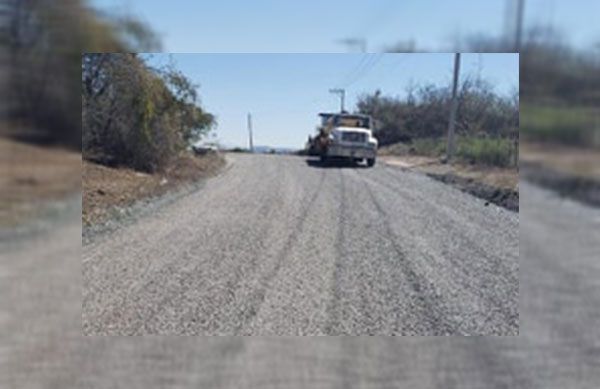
x=346, y=121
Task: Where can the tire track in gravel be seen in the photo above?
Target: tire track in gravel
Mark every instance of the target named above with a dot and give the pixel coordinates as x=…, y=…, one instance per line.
x=558, y=346
x=368, y=291
x=430, y=308
x=231, y=286
x=451, y=218
x=258, y=295
x=226, y=296
x=364, y=298
x=484, y=362
x=296, y=300
x=147, y=310
x=318, y=251
x=332, y=326
x=491, y=271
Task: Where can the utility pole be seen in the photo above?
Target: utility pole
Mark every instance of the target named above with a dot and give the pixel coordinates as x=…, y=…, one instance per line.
x=342, y=93
x=519, y=26
x=514, y=20
x=453, y=109
x=250, y=142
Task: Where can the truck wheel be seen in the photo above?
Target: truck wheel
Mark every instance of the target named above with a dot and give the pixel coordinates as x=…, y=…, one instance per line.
x=323, y=159
x=370, y=162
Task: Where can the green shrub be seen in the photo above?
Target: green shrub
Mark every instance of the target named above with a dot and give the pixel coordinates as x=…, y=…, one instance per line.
x=432, y=147
x=565, y=125
x=474, y=150
x=485, y=151
x=137, y=116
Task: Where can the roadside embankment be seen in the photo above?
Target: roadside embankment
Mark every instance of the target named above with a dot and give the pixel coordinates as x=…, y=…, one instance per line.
x=572, y=172
x=31, y=177
x=108, y=191
x=496, y=185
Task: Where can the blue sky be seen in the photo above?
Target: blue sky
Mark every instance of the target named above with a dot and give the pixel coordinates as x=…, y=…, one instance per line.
x=317, y=26
x=285, y=92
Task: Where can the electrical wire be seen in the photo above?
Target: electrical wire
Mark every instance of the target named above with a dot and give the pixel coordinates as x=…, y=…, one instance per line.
x=363, y=61
x=373, y=61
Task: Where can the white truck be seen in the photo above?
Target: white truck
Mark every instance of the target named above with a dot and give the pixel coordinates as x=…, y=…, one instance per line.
x=345, y=136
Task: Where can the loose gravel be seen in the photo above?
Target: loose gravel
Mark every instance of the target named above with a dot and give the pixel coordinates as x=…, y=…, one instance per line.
x=283, y=246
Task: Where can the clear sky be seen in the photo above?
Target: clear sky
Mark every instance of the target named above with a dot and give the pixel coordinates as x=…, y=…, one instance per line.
x=317, y=26
x=285, y=92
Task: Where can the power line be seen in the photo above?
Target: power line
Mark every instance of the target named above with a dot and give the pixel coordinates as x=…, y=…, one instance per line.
x=376, y=61
x=379, y=16
x=359, y=71
x=366, y=64
x=369, y=65
x=363, y=60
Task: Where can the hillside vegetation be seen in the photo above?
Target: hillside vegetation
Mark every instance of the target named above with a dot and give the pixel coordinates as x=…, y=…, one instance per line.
x=559, y=96
x=559, y=87
x=487, y=123
x=137, y=116
x=41, y=43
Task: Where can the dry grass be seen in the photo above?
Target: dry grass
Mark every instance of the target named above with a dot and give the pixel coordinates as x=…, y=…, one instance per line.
x=32, y=175
x=105, y=188
x=505, y=178
x=576, y=161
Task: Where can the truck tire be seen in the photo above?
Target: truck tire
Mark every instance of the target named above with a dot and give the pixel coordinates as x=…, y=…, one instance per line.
x=323, y=159
x=370, y=162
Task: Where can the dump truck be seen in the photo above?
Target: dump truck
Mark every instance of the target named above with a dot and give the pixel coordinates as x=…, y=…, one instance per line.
x=343, y=136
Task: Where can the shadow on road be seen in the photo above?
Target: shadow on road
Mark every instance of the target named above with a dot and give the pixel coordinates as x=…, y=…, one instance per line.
x=336, y=164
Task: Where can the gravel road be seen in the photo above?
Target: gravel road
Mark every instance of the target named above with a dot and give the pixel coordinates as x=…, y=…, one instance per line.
x=283, y=246
x=559, y=344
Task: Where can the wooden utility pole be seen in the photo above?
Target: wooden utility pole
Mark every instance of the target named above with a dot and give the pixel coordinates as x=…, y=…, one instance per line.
x=342, y=93
x=519, y=25
x=250, y=141
x=453, y=109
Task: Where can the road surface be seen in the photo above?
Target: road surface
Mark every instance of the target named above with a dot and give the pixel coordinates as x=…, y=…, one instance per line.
x=558, y=346
x=279, y=246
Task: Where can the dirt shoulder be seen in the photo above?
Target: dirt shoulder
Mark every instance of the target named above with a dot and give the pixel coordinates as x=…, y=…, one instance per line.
x=32, y=176
x=577, y=162
x=571, y=172
x=107, y=189
x=496, y=185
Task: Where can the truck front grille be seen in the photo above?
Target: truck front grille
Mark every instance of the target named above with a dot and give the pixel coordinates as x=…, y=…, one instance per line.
x=357, y=137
